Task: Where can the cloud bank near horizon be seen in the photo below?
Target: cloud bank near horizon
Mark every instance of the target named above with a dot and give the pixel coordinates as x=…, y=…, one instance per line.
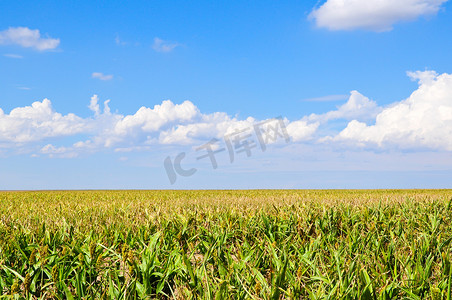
x=421, y=121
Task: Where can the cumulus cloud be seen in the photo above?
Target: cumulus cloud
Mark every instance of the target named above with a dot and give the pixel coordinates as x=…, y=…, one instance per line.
x=27, y=38
x=95, y=107
x=152, y=119
x=165, y=123
x=374, y=15
x=206, y=127
x=357, y=107
x=37, y=122
x=101, y=76
x=160, y=45
x=301, y=130
x=423, y=120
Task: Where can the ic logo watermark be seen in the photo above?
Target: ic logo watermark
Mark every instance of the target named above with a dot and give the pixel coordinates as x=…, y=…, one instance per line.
x=237, y=142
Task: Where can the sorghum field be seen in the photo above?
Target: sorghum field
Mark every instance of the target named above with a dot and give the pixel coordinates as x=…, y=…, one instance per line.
x=262, y=244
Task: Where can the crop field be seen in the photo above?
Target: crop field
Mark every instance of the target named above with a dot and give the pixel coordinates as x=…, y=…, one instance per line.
x=261, y=244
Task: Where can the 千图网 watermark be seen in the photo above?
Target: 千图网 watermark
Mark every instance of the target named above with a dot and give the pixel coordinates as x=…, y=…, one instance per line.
x=239, y=141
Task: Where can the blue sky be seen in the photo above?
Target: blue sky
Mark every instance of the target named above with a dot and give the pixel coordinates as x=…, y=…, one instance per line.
x=364, y=89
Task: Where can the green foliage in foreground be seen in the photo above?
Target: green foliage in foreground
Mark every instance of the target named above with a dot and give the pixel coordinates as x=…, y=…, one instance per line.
x=226, y=244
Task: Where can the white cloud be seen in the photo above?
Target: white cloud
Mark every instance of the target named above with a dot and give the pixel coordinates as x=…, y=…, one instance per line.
x=60, y=152
x=36, y=123
x=10, y=55
x=150, y=120
x=375, y=15
x=206, y=127
x=101, y=76
x=166, y=123
x=160, y=45
x=301, y=130
x=424, y=120
x=422, y=76
x=27, y=38
x=356, y=107
x=94, y=106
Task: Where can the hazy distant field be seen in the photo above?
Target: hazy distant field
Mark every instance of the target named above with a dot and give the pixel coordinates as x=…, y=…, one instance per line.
x=226, y=244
